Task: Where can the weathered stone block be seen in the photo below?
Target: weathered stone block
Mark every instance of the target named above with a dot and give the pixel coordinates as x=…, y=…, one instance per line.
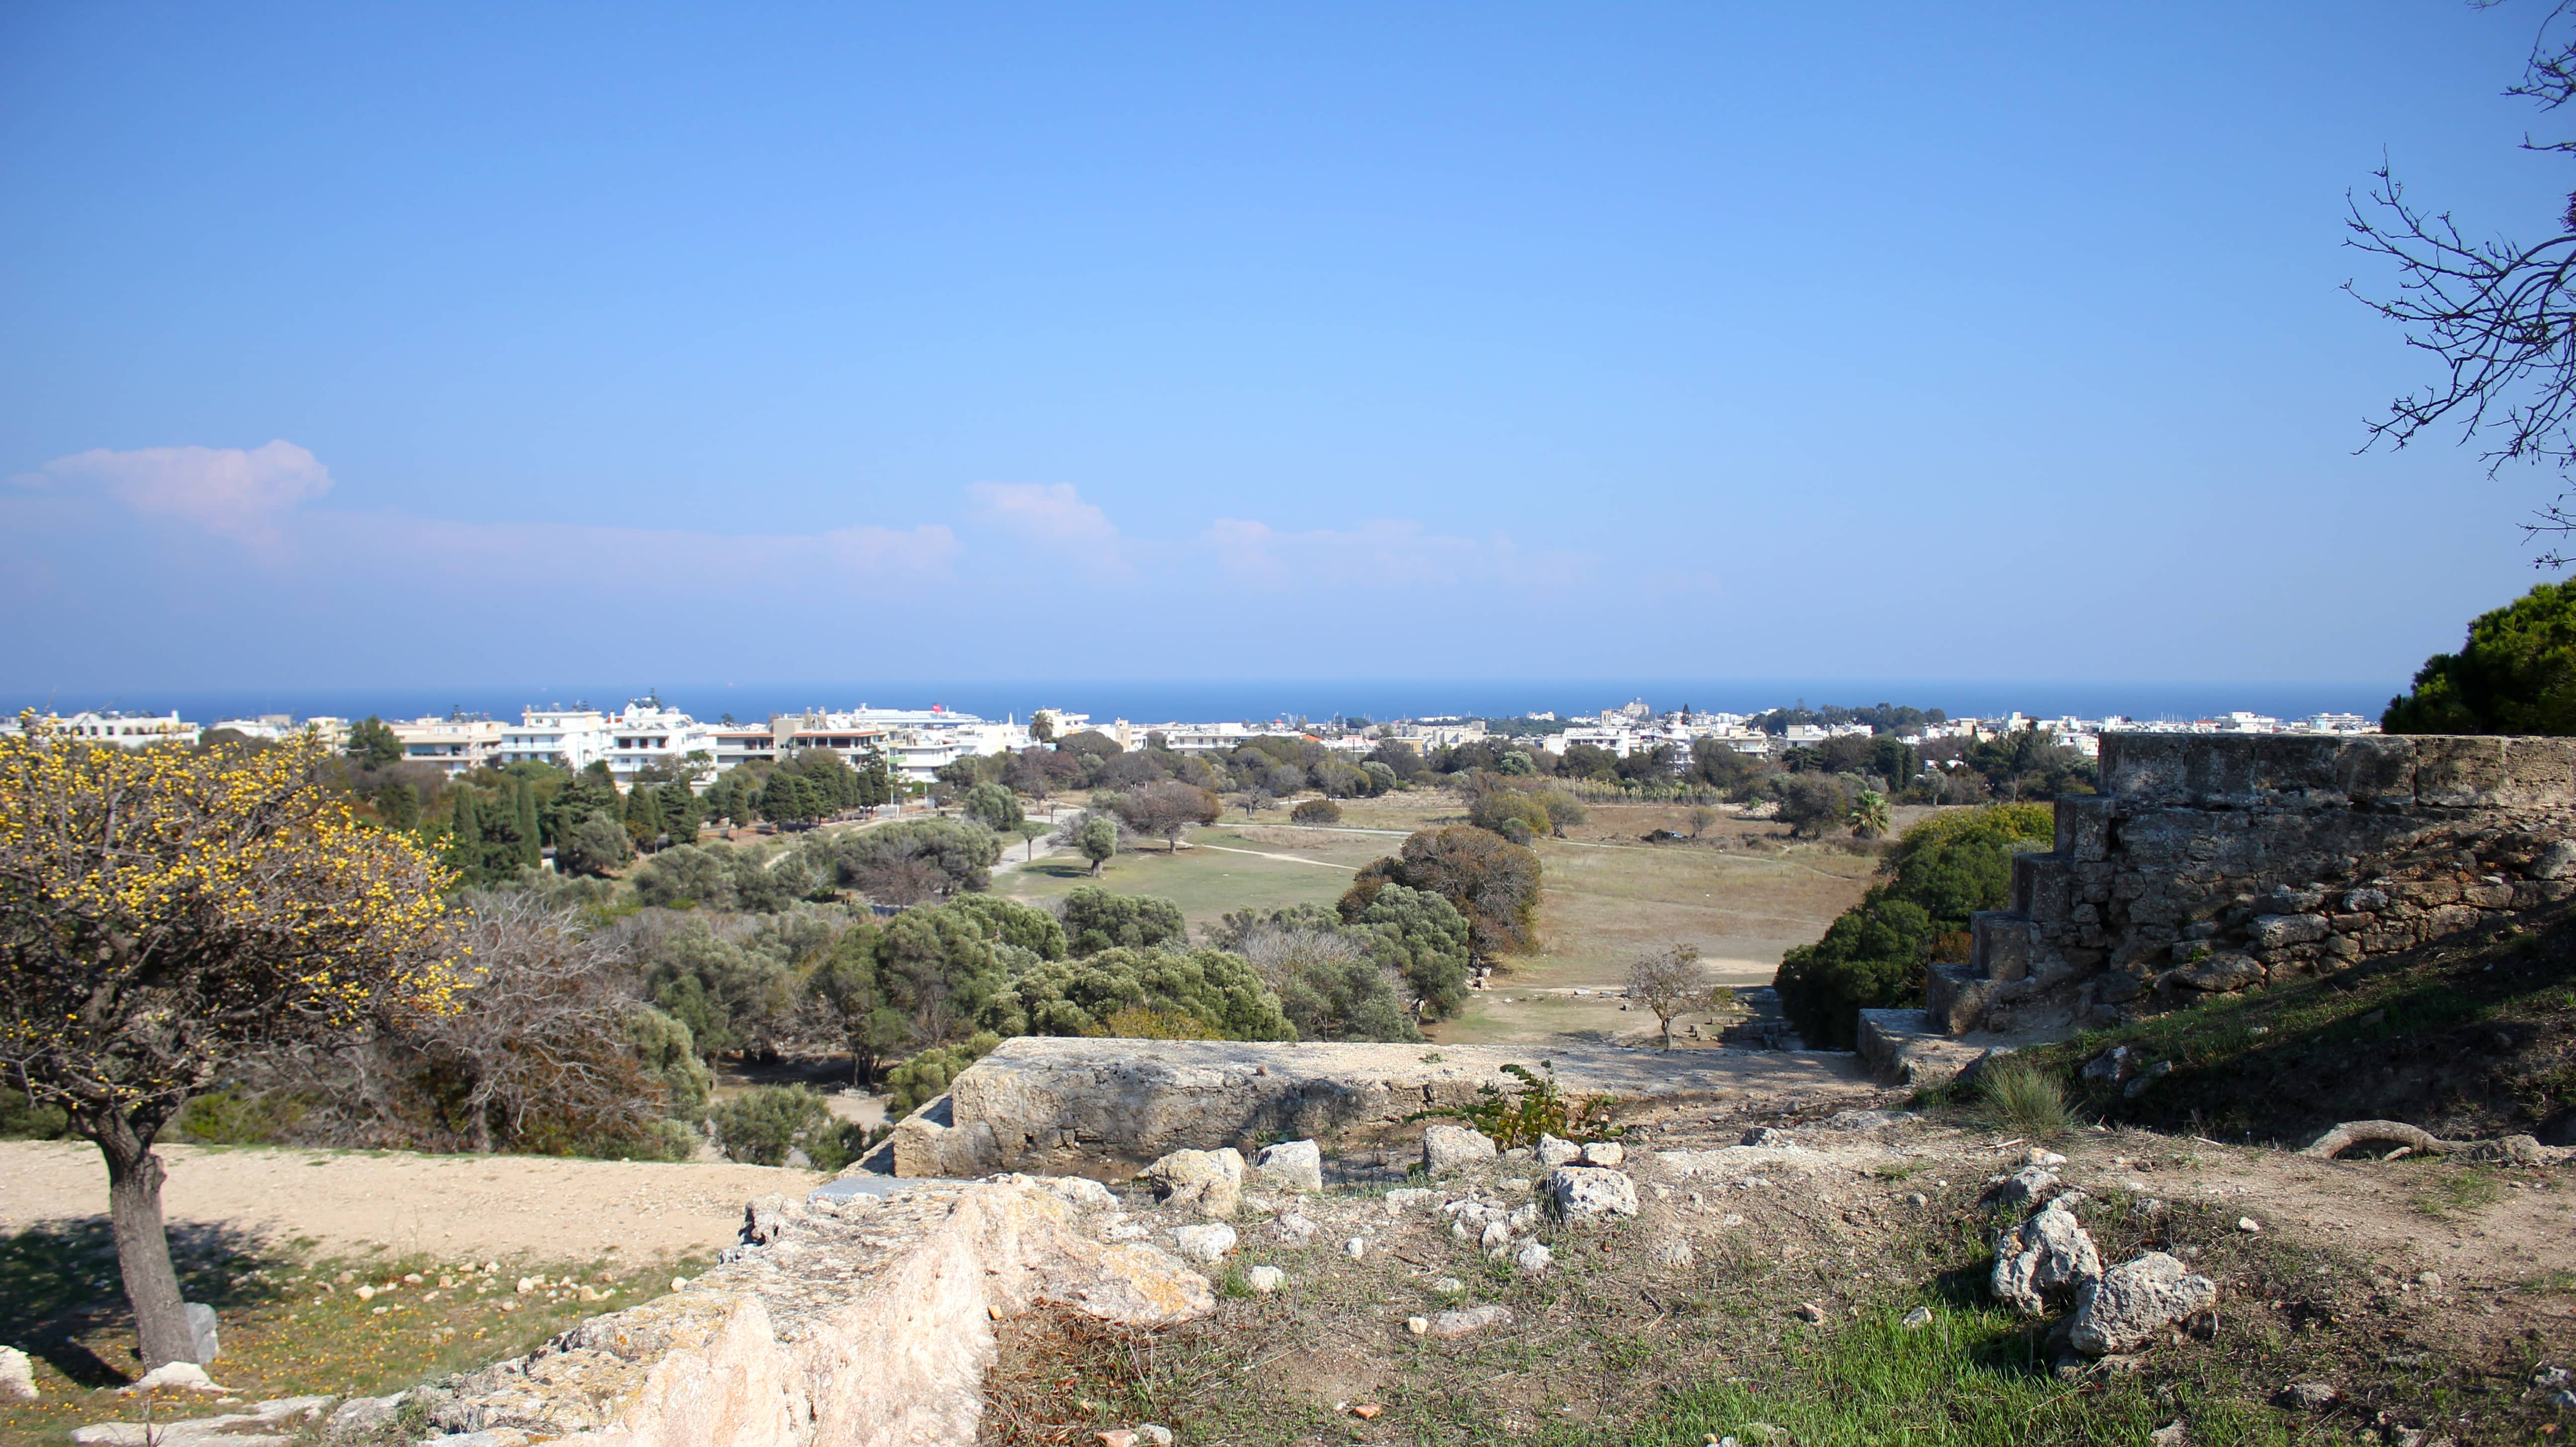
x=1999, y=944
x=2084, y=824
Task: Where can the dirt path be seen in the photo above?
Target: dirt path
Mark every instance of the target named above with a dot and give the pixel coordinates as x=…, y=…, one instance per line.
x=1282, y=858
x=529, y=1208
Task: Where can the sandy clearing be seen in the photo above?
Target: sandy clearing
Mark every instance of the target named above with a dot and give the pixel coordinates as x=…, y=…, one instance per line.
x=532, y=1208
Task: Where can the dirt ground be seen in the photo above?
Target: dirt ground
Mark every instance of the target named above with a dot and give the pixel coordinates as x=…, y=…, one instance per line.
x=449, y=1207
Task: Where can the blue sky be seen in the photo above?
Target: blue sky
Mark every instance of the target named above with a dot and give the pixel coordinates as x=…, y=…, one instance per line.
x=351, y=346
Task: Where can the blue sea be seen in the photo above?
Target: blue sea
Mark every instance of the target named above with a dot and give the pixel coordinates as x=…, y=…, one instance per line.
x=1264, y=700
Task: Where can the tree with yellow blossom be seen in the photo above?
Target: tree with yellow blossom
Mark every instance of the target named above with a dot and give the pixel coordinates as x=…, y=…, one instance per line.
x=163, y=910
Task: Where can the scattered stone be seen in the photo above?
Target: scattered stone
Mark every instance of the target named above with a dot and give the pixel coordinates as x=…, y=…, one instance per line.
x=2111, y=1066
x=2171, y=1434
x=2308, y=1396
x=2037, y=1157
x=1673, y=1252
x=2022, y=1187
x=1296, y=1228
x=1367, y=1410
x=2126, y=1306
x=1513, y=1183
x=1404, y=1198
x=2429, y=1280
x=1523, y=1220
x=1155, y=1434
x=1211, y=1182
x=1116, y=1437
x=1265, y=1279
x=2044, y=1260
x=1080, y=1191
x=1603, y=1153
x=2145, y=1078
x=1292, y=1166
x=1417, y=1324
x=2248, y=1225
x=1356, y=1247
x=1448, y=1149
x=1534, y=1259
x=362, y=1418
x=1917, y=1198
x=1765, y=1136
x=2549, y=1377
x=1204, y=1244
x=1584, y=1192
x=1495, y=1234
x=1448, y=1285
x=1919, y=1318
x=201, y=1330
x=1467, y=1321
x=17, y=1376
x=1810, y=1313
x=1555, y=1152
x=176, y=1377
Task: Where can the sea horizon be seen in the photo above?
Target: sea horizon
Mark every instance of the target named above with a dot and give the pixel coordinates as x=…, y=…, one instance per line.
x=1212, y=700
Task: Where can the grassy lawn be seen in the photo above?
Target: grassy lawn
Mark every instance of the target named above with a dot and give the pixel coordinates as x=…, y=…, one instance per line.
x=1205, y=883
x=291, y=1324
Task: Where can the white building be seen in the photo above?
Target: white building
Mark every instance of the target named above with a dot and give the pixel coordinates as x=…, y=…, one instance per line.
x=571, y=738
x=128, y=730
x=649, y=734
x=455, y=745
x=279, y=727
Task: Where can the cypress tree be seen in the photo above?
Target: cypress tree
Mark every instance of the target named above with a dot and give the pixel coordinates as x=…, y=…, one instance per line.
x=527, y=801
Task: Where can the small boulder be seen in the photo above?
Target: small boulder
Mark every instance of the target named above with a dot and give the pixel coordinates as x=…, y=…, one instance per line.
x=2149, y=1076
x=17, y=1376
x=1405, y=1198
x=2038, y=1157
x=1295, y=1229
x=2044, y=1261
x=201, y=1331
x=1265, y=1279
x=1810, y=1313
x=1211, y=1182
x=1154, y=1434
x=2127, y=1306
x=1206, y=1244
x=1448, y=1149
x=1469, y=1320
x=1770, y=1136
x=1496, y=1233
x=1591, y=1192
x=2111, y=1066
x=1534, y=1260
x=176, y=1377
x=1555, y=1152
x=1292, y=1166
x=2022, y=1187
x=362, y=1418
x=1603, y=1153
x=2308, y=1396
x=1356, y=1248
x=1919, y=1318
x=1673, y=1253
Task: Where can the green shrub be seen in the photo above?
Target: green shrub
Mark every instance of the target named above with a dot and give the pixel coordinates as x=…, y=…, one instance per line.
x=1518, y=1118
x=20, y=1121
x=1316, y=811
x=761, y=1125
x=925, y=1076
x=229, y=1118
x=1878, y=954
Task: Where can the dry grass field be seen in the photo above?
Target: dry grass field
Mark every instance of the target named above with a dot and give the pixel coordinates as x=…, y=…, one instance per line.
x=1741, y=894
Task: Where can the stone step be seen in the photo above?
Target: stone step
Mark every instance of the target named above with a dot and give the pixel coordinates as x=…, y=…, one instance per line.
x=1905, y=1046
x=1954, y=997
x=1999, y=944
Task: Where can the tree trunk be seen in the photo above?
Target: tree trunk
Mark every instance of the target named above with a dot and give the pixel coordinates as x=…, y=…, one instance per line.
x=142, y=1248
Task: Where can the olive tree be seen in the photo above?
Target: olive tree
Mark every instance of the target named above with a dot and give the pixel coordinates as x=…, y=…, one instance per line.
x=1671, y=983
x=164, y=911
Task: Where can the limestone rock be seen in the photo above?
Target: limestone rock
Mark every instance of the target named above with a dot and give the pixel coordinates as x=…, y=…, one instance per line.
x=1082, y=1192
x=1534, y=1260
x=1448, y=1149
x=201, y=1331
x=1356, y=1248
x=1292, y=1166
x=1295, y=1229
x=1265, y=1279
x=2219, y=974
x=1591, y=1192
x=2112, y=1066
x=2308, y=1396
x=1917, y=1319
x=1405, y=1198
x=2044, y=1260
x=2126, y=1306
x=1204, y=1244
x=1771, y=1137
x=360, y=1418
x=1469, y=1320
x=176, y=1377
x=1673, y=1253
x=17, y=1376
x=2138, y=1084
x=2022, y=1187
x=1209, y=1182
x=1603, y=1153
x=1555, y=1152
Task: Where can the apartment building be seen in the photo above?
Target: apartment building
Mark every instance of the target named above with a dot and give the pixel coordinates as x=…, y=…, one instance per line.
x=649, y=734
x=127, y=730
x=453, y=745
x=570, y=738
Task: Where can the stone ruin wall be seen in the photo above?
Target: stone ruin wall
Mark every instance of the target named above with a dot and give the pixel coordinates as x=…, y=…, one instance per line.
x=2212, y=864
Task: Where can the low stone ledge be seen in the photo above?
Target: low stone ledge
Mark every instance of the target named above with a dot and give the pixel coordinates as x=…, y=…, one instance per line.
x=866, y=1320
x=1045, y=1103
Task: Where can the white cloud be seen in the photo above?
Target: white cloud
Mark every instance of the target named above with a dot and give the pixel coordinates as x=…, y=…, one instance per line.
x=237, y=492
x=1048, y=511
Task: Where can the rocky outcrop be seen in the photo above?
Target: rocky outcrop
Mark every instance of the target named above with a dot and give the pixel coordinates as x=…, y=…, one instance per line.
x=2127, y=1306
x=867, y=1320
x=2211, y=864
